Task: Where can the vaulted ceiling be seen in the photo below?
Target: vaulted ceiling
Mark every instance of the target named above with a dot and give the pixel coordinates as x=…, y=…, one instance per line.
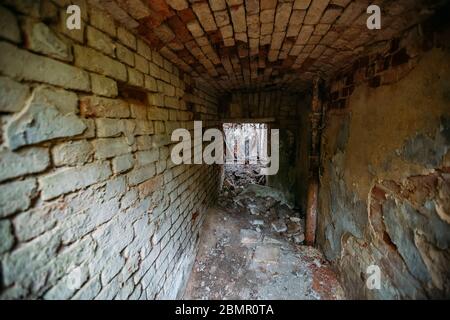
x=248, y=44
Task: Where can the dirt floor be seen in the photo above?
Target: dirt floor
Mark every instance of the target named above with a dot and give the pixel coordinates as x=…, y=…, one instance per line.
x=251, y=248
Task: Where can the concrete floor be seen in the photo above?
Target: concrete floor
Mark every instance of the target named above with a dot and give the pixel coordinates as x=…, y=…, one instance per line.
x=238, y=260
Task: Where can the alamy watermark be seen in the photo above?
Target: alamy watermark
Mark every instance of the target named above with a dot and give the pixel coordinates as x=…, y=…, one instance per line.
x=374, y=20
x=373, y=281
x=73, y=21
x=214, y=151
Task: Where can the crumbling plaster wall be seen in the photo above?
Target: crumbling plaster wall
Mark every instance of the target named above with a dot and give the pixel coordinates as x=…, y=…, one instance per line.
x=288, y=112
x=91, y=205
x=385, y=180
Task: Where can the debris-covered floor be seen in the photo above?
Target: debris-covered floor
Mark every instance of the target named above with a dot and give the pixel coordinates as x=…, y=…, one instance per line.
x=251, y=248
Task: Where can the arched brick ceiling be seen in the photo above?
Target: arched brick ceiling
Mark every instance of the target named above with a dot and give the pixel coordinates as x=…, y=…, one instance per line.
x=248, y=44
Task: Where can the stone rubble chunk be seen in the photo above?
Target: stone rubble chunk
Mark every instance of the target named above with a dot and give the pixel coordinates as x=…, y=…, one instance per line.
x=249, y=236
x=272, y=241
x=257, y=222
x=293, y=227
x=295, y=219
x=266, y=254
x=299, y=238
x=279, y=226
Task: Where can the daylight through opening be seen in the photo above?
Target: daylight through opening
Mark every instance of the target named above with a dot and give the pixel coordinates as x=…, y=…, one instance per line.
x=246, y=152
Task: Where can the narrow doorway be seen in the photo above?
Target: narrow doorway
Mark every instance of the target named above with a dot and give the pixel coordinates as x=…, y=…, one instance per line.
x=246, y=146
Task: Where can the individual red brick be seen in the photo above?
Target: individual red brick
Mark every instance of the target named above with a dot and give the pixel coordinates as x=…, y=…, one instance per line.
x=215, y=37
x=179, y=28
x=186, y=15
x=268, y=4
x=252, y=6
x=178, y=4
x=152, y=21
x=238, y=18
x=164, y=33
x=331, y=15
x=204, y=15
x=151, y=38
x=186, y=56
x=161, y=7
x=315, y=11
x=288, y=62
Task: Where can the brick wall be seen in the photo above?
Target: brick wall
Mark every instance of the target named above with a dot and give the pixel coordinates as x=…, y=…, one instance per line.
x=385, y=176
x=386, y=62
x=90, y=204
x=281, y=105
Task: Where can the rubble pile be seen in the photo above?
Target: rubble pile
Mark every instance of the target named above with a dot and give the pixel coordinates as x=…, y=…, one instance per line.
x=251, y=249
x=267, y=206
x=243, y=174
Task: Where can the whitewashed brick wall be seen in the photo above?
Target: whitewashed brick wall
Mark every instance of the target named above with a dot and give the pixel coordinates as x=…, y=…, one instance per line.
x=90, y=204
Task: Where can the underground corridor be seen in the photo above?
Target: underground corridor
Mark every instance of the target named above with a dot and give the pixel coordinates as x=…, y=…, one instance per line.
x=224, y=149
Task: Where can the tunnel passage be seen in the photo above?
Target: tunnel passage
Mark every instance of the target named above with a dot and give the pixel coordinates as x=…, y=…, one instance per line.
x=92, y=205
